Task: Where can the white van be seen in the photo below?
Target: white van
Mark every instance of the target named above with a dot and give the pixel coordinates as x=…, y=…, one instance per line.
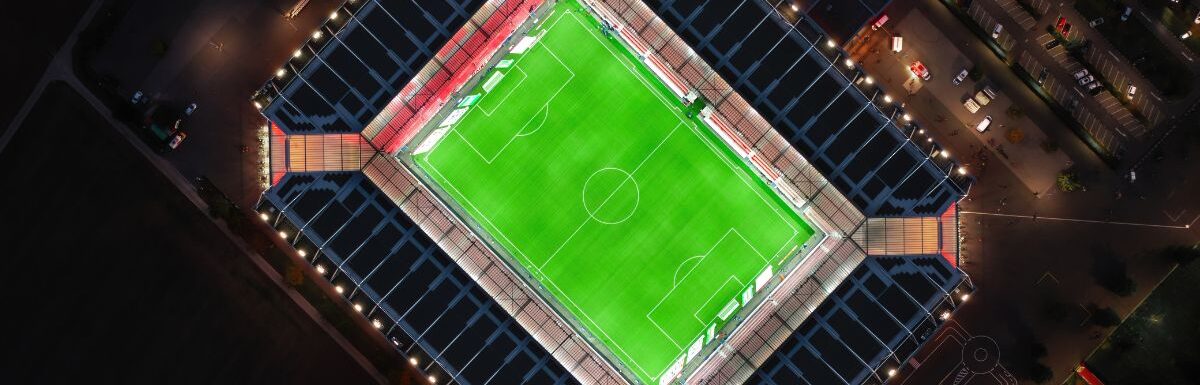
x=897, y=43
x=984, y=124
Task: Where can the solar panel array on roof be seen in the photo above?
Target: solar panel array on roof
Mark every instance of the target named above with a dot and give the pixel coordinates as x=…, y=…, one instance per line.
x=777, y=68
x=374, y=55
x=874, y=320
x=433, y=308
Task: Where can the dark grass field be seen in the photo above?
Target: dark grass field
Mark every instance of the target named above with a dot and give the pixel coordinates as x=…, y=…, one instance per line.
x=32, y=36
x=112, y=276
x=1157, y=343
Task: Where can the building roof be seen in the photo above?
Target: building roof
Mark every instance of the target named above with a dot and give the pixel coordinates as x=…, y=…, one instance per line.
x=875, y=320
x=362, y=67
x=433, y=307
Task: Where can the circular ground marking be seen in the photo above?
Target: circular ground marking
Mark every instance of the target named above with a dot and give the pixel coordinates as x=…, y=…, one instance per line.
x=610, y=195
x=980, y=354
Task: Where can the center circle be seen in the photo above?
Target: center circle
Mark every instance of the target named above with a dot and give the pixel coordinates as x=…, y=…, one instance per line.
x=610, y=195
x=981, y=354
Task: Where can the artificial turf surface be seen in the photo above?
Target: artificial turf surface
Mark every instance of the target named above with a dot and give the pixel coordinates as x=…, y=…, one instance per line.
x=637, y=219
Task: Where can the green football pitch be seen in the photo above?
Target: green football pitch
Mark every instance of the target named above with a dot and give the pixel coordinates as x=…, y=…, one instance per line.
x=638, y=220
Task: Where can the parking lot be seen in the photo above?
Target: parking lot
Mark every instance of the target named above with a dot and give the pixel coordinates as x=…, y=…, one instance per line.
x=1113, y=119
x=1109, y=127
x=942, y=105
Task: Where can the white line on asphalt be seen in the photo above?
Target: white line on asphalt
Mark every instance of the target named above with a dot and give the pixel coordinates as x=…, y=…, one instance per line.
x=1083, y=221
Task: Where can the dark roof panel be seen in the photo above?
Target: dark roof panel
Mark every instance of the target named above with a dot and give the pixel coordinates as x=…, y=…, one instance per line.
x=435, y=306
x=852, y=332
x=356, y=73
x=810, y=101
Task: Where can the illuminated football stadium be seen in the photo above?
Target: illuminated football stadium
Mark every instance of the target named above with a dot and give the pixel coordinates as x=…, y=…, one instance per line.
x=612, y=191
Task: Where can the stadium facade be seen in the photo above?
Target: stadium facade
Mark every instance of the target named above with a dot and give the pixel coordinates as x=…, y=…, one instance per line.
x=358, y=96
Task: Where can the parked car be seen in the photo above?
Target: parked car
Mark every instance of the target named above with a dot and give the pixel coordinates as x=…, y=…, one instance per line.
x=176, y=139
x=1041, y=79
x=989, y=91
x=919, y=69
x=962, y=75
x=1125, y=15
x=996, y=31
x=1094, y=88
x=982, y=98
x=190, y=109
x=1066, y=30
x=1051, y=44
x=984, y=124
x=971, y=105
x=137, y=97
x=1088, y=80
x=1080, y=74
x=1130, y=90
x=897, y=43
x=1097, y=21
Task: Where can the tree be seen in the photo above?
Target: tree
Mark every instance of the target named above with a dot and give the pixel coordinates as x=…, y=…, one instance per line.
x=159, y=47
x=1014, y=112
x=1037, y=350
x=1049, y=145
x=1183, y=255
x=1067, y=182
x=1110, y=272
x=1103, y=316
x=1015, y=135
x=1054, y=311
x=1040, y=373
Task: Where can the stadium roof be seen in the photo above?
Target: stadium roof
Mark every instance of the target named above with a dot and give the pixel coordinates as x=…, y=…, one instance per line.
x=363, y=66
x=365, y=86
x=783, y=70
